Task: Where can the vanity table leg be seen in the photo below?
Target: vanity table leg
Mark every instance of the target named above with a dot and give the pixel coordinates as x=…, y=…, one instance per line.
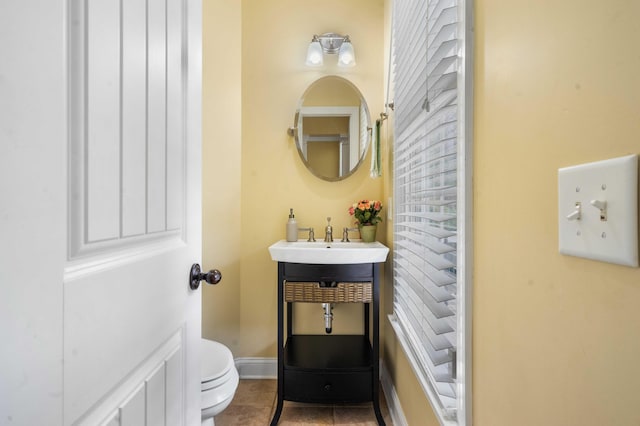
x=376, y=344
x=289, y=319
x=366, y=320
x=278, y=410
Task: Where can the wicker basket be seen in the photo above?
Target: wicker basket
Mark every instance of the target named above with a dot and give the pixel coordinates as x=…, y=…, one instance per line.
x=342, y=293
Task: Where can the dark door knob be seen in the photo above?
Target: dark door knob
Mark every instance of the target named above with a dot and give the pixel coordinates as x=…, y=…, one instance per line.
x=195, y=276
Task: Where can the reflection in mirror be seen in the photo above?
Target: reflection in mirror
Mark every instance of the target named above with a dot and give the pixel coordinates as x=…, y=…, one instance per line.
x=332, y=128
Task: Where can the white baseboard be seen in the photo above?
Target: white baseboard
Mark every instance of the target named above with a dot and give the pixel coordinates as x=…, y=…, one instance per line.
x=267, y=368
x=393, y=401
x=257, y=368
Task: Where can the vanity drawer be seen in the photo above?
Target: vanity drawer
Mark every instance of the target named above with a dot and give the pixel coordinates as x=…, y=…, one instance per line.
x=328, y=273
x=312, y=386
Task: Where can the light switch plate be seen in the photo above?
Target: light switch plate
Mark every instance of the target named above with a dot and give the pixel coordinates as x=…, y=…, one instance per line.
x=585, y=230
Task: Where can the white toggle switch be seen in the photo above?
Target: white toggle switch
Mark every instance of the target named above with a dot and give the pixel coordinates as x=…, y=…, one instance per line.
x=575, y=215
x=602, y=206
x=608, y=232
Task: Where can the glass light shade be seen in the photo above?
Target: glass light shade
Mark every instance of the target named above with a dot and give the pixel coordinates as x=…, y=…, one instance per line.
x=346, y=56
x=314, y=54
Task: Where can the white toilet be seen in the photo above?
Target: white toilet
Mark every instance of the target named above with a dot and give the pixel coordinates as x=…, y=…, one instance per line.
x=219, y=379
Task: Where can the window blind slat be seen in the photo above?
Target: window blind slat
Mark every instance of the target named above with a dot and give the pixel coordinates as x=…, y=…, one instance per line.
x=438, y=7
x=419, y=280
x=426, y=228
x=444, y=81
x=447, y=390
x=438, y=310
x=439, y=342
x=437, y=277
x=436, y=217
x=406, y=297
x=431, y=168
x=438, y=262
x=433, y=154
x=431, y=244
x=430, y=356
x=444, y=54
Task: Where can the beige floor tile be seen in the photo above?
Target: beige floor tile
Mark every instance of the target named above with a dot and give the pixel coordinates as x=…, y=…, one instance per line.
x=306, y=416
x=354, y=416
x=360, y=414
x=244, y=415
x=256, y=393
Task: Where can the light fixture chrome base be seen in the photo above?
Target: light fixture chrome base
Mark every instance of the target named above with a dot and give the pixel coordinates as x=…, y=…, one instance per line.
x=331, y=42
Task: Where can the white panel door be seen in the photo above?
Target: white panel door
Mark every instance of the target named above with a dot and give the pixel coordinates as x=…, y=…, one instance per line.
x=100, y=212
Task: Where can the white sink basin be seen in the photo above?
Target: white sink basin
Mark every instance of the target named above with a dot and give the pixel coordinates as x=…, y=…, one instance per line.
x=336, y=253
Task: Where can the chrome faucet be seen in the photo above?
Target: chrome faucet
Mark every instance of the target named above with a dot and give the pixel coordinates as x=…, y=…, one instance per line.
x=345, y=233
x=312, y=237
x=328, y=232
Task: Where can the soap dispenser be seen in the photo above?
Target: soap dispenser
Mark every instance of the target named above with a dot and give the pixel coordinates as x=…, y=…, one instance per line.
x=292, y=227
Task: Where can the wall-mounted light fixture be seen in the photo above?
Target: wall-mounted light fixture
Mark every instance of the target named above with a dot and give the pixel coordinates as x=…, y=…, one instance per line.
x=330, y=43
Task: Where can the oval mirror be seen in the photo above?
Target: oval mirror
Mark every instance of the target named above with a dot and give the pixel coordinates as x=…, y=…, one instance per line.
x=332, y=128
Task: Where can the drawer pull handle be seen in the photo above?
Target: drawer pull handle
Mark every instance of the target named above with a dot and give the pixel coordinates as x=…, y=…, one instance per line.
x=327, y=387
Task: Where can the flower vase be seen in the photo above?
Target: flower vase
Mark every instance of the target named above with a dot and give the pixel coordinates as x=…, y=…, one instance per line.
x=368, y=233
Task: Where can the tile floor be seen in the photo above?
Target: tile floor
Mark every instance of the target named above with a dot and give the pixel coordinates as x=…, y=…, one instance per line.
x=255, y=401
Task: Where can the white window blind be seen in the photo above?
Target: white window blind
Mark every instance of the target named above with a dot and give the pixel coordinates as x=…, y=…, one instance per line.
x=426, y=45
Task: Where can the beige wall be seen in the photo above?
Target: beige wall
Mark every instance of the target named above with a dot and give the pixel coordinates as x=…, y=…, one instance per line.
x=556, y=84
x=221, y=134
x=555, y=337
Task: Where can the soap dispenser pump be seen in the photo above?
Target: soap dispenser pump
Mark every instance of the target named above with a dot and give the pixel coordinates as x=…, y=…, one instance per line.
x=292, y=227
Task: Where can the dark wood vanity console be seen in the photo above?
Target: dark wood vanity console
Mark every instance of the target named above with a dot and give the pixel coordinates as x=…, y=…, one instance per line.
x=328, y=368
